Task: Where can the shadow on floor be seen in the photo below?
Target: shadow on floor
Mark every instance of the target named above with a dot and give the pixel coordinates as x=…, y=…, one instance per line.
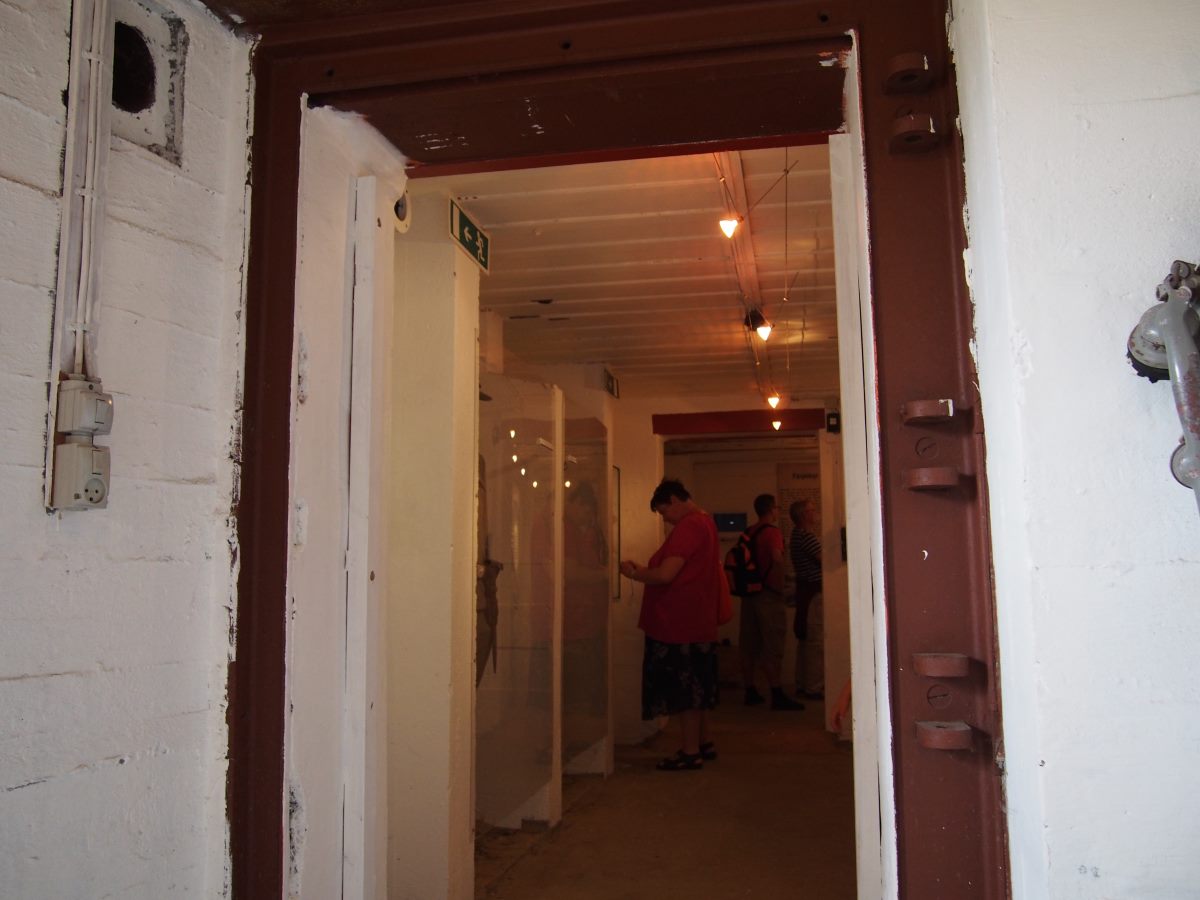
x=773, y=817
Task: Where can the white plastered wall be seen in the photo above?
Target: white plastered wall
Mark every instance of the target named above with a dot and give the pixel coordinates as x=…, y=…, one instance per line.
x=1082, y=187
x=115, y=624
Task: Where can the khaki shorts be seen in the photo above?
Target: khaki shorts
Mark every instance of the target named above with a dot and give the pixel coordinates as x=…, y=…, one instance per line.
x=763, y=626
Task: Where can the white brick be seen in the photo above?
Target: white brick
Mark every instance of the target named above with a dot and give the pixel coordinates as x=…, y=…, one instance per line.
x=155, y=521
x=148, y=192
x=21, y=495
x=23, y=420
x=140, y=276
x=159, y=441
x=212, y=60
x=25, y=314
x=163, y=522
x=134, y=614
x=35, y=52
x=124, y=822
x=159, y=360
x=31, y=146
x=216, y=107
x=116, y=710
x=28, y=235
x=207, y=137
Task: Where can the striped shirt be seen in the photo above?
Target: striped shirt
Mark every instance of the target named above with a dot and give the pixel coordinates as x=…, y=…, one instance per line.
x=805, y=551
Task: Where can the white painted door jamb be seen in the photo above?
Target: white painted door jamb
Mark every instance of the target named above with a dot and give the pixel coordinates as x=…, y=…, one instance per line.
x=874, y=796
x=364, y=816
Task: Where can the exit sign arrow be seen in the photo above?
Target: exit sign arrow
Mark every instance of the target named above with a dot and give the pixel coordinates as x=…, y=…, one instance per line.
x=470, y=237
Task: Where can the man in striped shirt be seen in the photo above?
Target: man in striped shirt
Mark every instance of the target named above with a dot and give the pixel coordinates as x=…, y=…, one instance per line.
x=805, y=551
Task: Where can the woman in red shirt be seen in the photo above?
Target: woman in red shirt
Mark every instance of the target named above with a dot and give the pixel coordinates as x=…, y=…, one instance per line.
x=679, y=617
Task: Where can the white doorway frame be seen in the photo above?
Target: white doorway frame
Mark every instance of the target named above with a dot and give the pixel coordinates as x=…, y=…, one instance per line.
x=361, y=176
x=875, y=829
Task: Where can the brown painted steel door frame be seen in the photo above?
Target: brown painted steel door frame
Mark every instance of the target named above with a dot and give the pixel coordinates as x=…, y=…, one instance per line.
x=942, y=665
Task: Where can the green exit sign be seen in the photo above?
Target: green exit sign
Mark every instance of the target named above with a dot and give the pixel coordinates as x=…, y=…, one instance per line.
x=469, y=236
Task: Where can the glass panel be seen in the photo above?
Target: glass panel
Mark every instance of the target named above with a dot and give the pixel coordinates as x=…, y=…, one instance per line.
x=586, y=591
x=515, y=600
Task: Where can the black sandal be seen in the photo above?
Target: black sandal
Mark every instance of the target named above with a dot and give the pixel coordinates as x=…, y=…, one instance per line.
x=708, y=750
x=681, y=762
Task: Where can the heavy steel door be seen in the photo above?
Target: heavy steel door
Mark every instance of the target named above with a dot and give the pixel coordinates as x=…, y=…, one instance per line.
x=644, y=78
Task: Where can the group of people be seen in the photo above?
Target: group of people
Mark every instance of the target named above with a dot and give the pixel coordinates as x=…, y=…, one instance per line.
x=684, y=585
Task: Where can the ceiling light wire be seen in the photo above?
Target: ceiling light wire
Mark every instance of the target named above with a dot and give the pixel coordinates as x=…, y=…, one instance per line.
x=746, y=309
x=724, y=185
x=785, y=225
x=764, y=194
x=787, y=343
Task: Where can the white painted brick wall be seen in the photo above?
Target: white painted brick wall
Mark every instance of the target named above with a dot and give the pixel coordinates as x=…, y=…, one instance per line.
x=114, y=624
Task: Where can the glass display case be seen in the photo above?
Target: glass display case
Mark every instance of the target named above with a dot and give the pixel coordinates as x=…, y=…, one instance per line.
x=586, y=591
x=520, y=492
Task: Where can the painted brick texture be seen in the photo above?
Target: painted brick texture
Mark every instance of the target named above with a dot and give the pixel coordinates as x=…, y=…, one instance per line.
x=114, y=624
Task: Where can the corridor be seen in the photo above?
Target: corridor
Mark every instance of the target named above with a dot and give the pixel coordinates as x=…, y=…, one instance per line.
x=773, y=817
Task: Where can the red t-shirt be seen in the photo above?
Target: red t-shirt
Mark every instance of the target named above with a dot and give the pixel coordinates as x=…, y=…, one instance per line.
x=685, y=610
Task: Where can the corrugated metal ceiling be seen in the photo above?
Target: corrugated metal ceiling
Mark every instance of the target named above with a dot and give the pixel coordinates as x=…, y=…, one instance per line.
x=623, y=264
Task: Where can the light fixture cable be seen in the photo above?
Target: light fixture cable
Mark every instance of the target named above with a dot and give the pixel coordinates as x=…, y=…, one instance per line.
x=787, y=342
x=786, y=171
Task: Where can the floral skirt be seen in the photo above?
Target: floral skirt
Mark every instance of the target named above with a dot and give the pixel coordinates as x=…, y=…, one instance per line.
x=678, y=677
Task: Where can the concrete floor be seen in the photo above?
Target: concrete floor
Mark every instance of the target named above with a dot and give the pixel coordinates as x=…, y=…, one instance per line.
x=773, y=817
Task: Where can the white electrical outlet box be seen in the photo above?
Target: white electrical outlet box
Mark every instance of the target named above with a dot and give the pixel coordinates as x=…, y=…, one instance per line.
x=83, y=408
x=80, y=476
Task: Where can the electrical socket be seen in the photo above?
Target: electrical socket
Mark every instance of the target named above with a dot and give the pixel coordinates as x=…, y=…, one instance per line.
x=95, y=491
x=81, y=474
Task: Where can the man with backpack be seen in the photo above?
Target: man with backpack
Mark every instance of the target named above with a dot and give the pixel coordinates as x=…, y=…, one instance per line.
x=755, y=569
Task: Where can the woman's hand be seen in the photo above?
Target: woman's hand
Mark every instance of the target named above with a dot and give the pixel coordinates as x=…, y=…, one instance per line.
x=663, y=573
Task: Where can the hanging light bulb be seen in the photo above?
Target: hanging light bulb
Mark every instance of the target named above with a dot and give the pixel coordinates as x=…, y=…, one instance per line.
x=776, y=424
x=514, y=457
x=729, y=226
x=522, y=470
x=512, y=432
x=773, y=401
x=567, y=483
x=535, y=484
x=756, y=320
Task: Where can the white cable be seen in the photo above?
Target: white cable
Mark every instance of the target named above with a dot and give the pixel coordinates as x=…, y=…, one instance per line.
x=92, y=205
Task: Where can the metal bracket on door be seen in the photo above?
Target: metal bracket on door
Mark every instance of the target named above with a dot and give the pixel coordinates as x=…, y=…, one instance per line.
x=945, y=735
x=953, y=735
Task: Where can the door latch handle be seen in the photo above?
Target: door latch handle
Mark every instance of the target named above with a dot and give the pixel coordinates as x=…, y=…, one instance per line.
x=945, y=735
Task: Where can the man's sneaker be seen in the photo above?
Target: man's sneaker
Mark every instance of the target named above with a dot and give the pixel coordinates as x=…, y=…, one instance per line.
x=753, y=697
